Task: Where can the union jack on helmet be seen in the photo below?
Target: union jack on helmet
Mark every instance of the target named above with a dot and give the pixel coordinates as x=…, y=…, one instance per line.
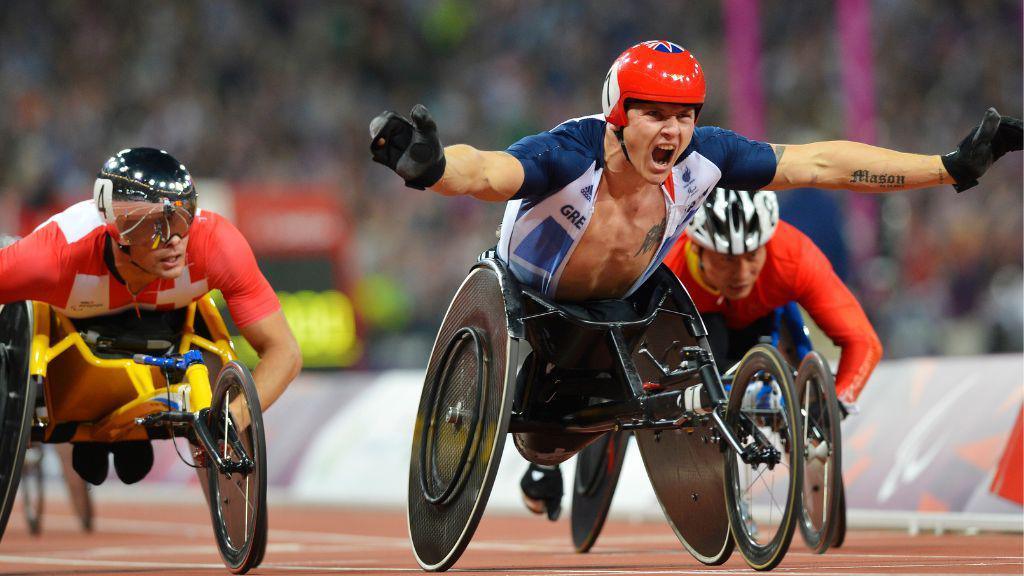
x=655, y=70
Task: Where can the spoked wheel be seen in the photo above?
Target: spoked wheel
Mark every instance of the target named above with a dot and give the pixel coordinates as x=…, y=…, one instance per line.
x=763, y=496
x=815, y=389
x=462, y=422
x=238, y=496
x=17, y=400
x=32, y=489
x=597, y=473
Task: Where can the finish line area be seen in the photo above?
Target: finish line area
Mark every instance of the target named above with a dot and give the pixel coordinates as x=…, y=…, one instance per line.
x=140, y=537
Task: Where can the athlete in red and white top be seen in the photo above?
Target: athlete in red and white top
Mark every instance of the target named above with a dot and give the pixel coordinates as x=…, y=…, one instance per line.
x=141, y=242
x=739, y=263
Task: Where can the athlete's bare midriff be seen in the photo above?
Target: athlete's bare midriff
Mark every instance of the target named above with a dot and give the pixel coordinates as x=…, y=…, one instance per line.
x=624, y=234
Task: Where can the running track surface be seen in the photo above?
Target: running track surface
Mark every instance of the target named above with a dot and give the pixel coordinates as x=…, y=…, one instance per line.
x=148, y=538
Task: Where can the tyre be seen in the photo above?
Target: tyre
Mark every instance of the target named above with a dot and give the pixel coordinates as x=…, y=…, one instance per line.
x=238, y=498
x=815, y=390
x=763, y=496
x=17, y=400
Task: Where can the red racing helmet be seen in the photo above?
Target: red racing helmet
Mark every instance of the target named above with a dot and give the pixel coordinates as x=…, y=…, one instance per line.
x=656, y=70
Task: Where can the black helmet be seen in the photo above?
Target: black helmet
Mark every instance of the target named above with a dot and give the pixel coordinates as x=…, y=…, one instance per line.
x=145, y=196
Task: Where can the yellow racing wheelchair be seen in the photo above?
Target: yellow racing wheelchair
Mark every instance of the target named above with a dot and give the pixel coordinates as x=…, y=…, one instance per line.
x=97, y=380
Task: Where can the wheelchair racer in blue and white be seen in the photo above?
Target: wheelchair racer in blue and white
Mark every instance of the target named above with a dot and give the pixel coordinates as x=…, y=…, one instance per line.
x=595, y=204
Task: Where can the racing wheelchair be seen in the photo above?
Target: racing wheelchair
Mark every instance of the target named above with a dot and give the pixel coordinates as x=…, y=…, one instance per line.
x=822, y=520
x=95, y=380
x=560, y=376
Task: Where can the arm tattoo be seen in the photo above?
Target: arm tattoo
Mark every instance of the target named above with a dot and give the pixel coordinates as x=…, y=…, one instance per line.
x=878, y=180
x=653, y=238
x=779, y=151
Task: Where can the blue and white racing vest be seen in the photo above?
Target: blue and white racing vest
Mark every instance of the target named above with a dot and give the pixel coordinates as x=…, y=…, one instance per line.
x=546, y=219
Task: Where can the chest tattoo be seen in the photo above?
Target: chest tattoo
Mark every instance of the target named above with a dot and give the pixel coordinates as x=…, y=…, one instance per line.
x=653, y=238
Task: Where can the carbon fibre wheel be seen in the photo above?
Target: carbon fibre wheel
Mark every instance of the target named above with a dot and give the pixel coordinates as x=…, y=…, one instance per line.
x=462, y=421
x=597, y=474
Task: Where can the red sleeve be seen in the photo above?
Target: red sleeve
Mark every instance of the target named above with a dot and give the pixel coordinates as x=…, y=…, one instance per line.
x=839, y=315
x=232, y=269
x=30, y=268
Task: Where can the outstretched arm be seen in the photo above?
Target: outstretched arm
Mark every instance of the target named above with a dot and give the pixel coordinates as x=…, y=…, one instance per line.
x=865, y=168
x=413, y=150
x=494, y=176
x=854, y=166
x=280, y=358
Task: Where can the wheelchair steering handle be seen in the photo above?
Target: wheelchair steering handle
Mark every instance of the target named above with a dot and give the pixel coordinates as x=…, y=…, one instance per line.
x=171, y=362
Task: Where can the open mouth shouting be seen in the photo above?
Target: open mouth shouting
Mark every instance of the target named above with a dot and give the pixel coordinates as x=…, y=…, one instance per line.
x=662, y=155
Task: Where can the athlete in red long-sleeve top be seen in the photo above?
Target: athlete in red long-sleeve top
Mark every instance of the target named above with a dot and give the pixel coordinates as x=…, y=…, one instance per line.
x=740, y=263
x=142, y=247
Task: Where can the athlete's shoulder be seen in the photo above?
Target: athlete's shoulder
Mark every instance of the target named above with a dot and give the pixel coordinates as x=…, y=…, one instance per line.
x=745, y=164
x=795, y=252
x=75, y=223
x=715, y=140
x=587, y=130
x=583, y=136
x=788, y=238
x=553, y=159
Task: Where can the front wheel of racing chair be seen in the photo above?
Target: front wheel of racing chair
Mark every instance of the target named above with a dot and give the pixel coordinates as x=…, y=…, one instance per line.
x=763, y=496
x=597, y=473
x=17, y=400
x=463, y=418
x=237, y=475
x=823, y=482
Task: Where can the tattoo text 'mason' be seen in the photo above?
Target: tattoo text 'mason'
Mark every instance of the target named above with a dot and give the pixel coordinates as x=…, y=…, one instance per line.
x=883, y=180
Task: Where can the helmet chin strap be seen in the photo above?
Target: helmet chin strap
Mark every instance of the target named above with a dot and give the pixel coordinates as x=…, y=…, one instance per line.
x=622, y=144
x=126, y=250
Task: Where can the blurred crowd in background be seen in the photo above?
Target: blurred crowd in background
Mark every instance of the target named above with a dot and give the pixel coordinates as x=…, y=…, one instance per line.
x=279, y=91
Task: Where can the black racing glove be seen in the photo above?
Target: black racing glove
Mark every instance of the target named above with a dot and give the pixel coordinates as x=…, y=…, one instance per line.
x=411, y=149
x=985, y=144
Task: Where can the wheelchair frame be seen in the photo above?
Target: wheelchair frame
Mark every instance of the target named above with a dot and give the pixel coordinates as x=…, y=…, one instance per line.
x=146, y=394
x=795, y=345
x=560, y=338
x=89, y=398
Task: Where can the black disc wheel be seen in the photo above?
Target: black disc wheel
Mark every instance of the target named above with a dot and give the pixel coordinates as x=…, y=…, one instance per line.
x=763, y=493
x=17, y=400
x=32, y=489
x=462, y=422
x=597, y=474
x=238, y=485
x=819, y=411
x=686, y=470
